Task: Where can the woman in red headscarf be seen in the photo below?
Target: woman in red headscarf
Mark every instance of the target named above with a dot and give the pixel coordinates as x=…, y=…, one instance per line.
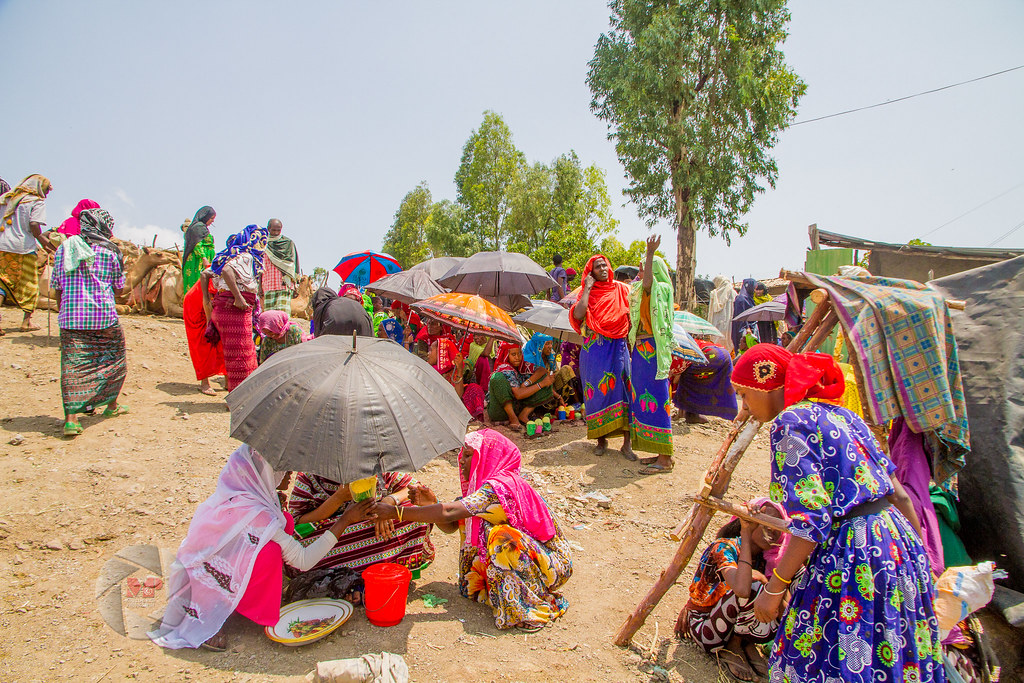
x=516, y=387
x=447, y=360
x=868, y=589
x=602, y=316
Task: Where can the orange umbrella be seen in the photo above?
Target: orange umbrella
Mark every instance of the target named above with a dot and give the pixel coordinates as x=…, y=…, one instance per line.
x=470, y=312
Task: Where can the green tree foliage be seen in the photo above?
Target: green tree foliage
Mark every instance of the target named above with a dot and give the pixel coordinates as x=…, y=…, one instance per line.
x=918, y=242
x=503, y=202
x=695, y=93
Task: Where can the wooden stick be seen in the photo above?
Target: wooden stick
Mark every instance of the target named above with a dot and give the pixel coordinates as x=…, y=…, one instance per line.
x=773, y=523
x=811, y=326
x=799, y=278
x=823, y=331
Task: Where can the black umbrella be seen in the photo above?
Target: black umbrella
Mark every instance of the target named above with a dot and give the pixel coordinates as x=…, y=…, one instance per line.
x=498, y=273
x=408, y=286
x=769, y=310
x=438, y=267
x=551, y=319
x=346, y=408
x=628, y=272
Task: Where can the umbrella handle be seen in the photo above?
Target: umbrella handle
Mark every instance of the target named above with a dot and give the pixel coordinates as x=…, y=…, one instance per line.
x=353, y=340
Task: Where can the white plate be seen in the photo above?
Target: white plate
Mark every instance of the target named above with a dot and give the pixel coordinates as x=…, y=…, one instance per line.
x=338, y=611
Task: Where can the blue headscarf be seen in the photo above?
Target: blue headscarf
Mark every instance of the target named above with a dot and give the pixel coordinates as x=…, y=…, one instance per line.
x=532, y=351
x=251, y=240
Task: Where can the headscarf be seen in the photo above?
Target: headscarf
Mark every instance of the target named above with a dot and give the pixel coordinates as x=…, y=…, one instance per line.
x=533, y=350
x=333, y=314
x=282, y=253
x=350, y=291
x=661, y=314
x=761, y=298
x=197, y=231
x=5, y=187
x=502, y=362
x=215, y=561
x=252, y=240
x=30, y=190
x=721, y=303
x=70, y=226
x=766, y=367
x=608, y=311
x=497, y=462
x=773, y=554
x=97, y=228
x=743, y=301
x=274, y=323
x=446, y=353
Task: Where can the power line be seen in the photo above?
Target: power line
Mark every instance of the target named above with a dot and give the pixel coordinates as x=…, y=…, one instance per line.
x=907, y=97
x=1007, y=234
x=972, y=210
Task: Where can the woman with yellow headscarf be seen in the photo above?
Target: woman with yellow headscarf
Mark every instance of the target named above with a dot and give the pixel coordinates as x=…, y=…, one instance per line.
x=22, y=217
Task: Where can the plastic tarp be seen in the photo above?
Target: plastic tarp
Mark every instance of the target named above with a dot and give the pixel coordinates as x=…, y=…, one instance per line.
x=990, y=336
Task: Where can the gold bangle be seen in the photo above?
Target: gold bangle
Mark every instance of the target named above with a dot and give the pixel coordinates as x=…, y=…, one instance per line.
x=398, y=511
x=776, y=574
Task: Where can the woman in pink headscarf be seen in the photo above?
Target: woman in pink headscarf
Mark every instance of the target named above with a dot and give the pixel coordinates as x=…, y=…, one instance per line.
x=71, y=227
x=514, y=557
x=277, y=332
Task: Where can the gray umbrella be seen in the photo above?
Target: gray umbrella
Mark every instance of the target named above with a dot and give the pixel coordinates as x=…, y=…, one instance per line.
x=498, y=273
x=407, y=286
x=769, y=310
x=438, y=267
x=326, y=408
x=551, y=319
x=510, y=302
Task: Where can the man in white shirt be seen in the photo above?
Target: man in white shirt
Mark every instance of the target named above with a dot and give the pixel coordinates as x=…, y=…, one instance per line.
x=22, y=217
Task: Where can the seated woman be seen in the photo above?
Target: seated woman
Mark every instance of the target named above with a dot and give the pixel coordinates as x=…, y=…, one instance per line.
x=700, y=390
x=278, y=333
x=233, y=556
x=540, y=353
x=514, y=557
x=446, y=360
x=513, y=392
x=719, y=615
x=321, y=501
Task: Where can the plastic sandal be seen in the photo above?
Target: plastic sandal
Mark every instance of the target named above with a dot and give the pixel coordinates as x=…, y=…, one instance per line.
x=72, y=429
x=120, y=410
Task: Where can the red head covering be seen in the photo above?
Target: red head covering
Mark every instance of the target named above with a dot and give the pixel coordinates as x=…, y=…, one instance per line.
x=446, y=353
x=502, y=360
x=608, y=311
x=71, y=226
x=766, y=367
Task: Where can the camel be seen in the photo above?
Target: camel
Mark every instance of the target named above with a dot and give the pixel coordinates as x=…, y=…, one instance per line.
x=301, y=298
x=155, y=282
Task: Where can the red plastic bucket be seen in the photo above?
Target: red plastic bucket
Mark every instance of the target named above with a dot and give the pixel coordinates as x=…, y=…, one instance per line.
x=387, y=590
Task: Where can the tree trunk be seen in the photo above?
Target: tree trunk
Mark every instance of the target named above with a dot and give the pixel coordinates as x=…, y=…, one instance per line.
x=686, y=250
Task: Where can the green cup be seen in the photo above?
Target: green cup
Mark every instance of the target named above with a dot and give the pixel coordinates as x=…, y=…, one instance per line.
x=531, y=428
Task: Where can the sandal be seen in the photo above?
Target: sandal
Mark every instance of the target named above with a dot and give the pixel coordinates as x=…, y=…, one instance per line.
x=757, y=662
x=736, y=664
x=30, y=328
x=649, y=461
x=217, y=643
x=530, y=628
x=655, y=468
x=120, y=410
x=72, y=429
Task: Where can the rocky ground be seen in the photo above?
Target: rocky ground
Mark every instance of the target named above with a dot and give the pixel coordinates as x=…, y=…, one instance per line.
x=69, y=506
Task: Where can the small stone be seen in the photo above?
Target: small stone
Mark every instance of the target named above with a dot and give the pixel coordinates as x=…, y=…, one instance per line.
x=145, y=367
x=15, y=366
x=55, y=544
x=17, y=440
x=76, y=545
x=605, y=504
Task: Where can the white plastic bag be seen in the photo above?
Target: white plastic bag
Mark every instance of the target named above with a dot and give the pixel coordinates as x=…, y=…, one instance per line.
x=383, y=668
x=962, y=590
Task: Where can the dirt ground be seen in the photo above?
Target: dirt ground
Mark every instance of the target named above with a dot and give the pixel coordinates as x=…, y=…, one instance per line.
x=69, y=506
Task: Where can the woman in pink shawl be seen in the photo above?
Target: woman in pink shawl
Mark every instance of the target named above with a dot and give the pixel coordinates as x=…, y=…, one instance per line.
x=70, y=227
x=232, y=558
x=514, y=557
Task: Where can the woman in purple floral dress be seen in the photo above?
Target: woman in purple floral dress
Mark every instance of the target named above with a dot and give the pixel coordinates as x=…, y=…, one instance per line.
x=863, y=611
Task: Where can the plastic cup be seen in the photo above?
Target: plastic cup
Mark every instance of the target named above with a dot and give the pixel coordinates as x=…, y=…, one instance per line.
x=531, y=428
x=561, y=413
x=547, y=423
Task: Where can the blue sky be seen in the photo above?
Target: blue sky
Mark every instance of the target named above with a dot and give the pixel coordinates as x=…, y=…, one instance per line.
x=325, y=114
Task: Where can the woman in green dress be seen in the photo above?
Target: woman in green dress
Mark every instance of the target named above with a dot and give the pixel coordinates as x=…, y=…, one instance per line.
x=199, y=247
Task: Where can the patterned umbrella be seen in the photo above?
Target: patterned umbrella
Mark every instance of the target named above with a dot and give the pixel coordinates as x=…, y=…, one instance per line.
x=572, y=297
x=686, y=348
x=470, y=312
x=363, y=267
x=694, y=324
x=408, y=286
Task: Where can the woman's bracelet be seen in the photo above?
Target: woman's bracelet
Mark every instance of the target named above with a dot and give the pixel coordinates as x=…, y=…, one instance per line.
x=775, y=573
x=747, y=562
x=398, y=511
x=768, y=592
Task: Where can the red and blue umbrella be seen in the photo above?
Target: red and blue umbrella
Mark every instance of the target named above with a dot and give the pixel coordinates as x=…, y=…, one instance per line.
x=363, y=267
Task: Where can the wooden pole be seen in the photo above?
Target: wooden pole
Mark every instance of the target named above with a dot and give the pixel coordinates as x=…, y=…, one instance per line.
x=801, y=279
x=719, y=505
x=716, y=482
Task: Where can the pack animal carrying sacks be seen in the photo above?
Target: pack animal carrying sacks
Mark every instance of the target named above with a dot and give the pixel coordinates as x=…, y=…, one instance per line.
x=960, y=591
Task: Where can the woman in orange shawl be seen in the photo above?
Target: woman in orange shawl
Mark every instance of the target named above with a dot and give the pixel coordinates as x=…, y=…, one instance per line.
x=602, y=316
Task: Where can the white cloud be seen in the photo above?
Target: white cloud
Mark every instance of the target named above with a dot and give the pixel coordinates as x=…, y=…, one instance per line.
x=144, y=235
x=123, y=196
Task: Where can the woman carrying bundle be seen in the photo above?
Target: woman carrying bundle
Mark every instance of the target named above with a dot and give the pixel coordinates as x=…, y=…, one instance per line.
x=862, y=611
x=514, y=557
x=93, y=363
x=236, y=275
x=601, y=315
